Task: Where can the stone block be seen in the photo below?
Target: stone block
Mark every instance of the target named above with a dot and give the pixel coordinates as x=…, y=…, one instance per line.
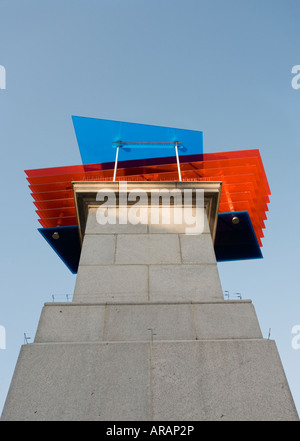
x=93, y=227
x=70, y=323
x=215, y=380
x=111, y=282
x=174, y=220
x=98, y=249
x=184, y=282
x=147, y=322
x=197, y=248
x=77, y=322
x=80, y=382
x=225, y=320
x=147, y=249
x=227, y=380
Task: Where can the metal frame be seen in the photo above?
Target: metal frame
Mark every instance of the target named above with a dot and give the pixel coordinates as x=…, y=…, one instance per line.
x=120, y=144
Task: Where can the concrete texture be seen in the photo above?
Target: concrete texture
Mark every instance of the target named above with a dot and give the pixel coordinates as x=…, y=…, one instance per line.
x=184, y=282
x=98, y=250
x=142, y=282
x=148, y=249
x=197, y=249
x=219, y=381
x=71, y=322
x=152, y=261
x=172, y=220
x=80, y=381
x=139, y=262
x=93, y=227
x=148, y=335
x=225, y=320
x=111, y=282
x=160, y=381
x=155, y=214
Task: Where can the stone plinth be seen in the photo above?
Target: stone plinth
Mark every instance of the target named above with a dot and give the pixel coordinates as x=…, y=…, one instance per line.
x=148, y=335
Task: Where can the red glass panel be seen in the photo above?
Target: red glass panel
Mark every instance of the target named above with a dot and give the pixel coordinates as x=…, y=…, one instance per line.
x=245, y=186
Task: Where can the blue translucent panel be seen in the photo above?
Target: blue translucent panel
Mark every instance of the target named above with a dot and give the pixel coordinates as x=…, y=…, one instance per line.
x=233, y=242
x=97, y=140
x=236, y=241
x=67, y=245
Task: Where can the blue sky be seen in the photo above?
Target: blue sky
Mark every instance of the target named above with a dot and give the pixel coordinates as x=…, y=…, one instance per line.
x=222, y=67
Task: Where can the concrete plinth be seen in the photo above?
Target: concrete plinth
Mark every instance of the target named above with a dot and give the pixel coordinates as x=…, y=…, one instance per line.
x=160, y=380
x=148, y=335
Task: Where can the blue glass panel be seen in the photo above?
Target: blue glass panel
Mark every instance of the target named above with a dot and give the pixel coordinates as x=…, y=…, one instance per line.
x=97, y=140
x=233, y=241
x=236, y=241
x=67, y=245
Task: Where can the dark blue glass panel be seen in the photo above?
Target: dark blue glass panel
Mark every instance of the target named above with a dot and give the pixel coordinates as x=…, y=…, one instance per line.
x=236, y=241
x=66, y=245
x=233, y=241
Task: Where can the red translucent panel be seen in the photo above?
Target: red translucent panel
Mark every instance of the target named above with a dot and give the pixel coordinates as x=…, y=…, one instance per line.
x=245, y=186
x=57, y=212
x=52, y=222
x=52, y=195
x=48, y=204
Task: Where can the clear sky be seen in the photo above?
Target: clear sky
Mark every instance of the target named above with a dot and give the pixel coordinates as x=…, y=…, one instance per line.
x=223, y=67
